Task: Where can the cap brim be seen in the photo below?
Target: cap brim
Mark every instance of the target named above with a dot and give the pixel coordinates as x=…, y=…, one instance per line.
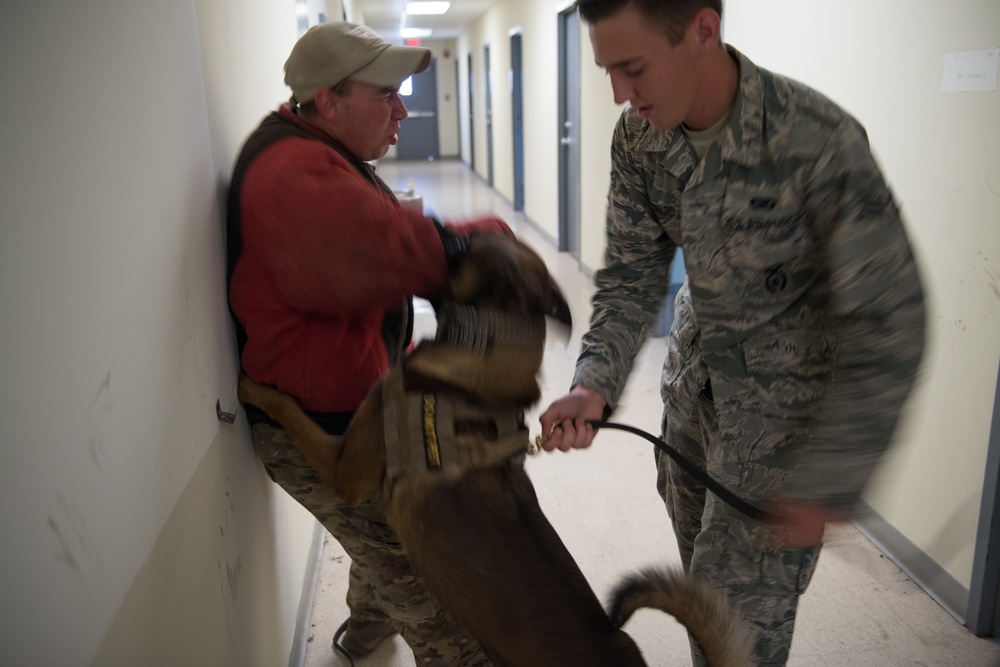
x=394, y=65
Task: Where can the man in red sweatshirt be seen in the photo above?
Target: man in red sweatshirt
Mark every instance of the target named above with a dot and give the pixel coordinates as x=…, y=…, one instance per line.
x=322, y=264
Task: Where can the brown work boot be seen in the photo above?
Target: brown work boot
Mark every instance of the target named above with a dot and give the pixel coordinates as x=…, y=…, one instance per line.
x=359, y=638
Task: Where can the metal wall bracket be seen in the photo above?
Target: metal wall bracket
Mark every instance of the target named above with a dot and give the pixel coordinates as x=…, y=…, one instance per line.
x=224, y=417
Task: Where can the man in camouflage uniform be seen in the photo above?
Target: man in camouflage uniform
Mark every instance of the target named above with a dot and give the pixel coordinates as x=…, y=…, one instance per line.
x=800, y=329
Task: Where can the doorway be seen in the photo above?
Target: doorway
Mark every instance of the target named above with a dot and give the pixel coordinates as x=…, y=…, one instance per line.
x=418, y=136
x=983, y=613
x=488, y=88
x=569, y=132
x=472, y=116
x=517, y=102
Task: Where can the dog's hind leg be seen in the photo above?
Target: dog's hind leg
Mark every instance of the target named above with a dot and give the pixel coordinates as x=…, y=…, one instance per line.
x=490, y=556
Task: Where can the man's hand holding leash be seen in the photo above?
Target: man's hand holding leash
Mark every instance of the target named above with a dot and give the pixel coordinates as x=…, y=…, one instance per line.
x=565, y=423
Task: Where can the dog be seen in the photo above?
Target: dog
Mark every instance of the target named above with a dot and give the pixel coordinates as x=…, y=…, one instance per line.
x=443, y=435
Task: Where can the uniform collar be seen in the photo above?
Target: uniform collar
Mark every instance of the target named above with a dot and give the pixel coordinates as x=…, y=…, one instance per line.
x=740, y=142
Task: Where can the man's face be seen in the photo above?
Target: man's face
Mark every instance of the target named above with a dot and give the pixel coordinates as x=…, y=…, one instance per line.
x=369, y=119
x=659, y=80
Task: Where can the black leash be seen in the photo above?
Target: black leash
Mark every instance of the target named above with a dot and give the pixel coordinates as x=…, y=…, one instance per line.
x=336, y=642
x=715, y=487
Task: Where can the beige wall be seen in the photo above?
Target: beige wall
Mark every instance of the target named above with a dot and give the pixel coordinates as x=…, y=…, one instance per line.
x=445, y=55
x=537, y=19
x=139, y=529
x=538, y=23
x=941, y=154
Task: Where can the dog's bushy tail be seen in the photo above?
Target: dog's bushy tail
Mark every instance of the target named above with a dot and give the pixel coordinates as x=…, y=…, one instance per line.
x=704, y=611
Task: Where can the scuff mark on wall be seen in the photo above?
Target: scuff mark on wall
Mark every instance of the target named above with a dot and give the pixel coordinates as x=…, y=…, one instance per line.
x=75, y=543
x=990, y=175
x=994, y=279
x=100, y=411
x=66, y=556
x=233, y=577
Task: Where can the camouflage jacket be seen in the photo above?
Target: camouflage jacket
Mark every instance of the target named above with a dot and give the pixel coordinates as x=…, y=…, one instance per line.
x=802, y=280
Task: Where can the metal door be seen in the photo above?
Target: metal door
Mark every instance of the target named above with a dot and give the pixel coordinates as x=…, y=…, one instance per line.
x=472, y=116
x=488, y=86
x=569, y=132
x=418, y=136
x=517, y=102
x=983, y=612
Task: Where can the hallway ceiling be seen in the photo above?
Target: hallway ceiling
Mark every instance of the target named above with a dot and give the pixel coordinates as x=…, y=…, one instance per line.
x=384, y=16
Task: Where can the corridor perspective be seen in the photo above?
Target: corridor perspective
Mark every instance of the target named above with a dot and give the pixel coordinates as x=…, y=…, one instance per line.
x=860, y=610
x=141, y=528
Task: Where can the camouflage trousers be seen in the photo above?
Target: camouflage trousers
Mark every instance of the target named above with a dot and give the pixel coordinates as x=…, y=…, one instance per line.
x=723, y=546
x=382, y=586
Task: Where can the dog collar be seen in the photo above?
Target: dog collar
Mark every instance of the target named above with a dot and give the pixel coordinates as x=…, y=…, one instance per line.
x=478, y=330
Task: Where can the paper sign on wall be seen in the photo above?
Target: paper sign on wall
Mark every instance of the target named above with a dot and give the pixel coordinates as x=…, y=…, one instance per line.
x=970, y=70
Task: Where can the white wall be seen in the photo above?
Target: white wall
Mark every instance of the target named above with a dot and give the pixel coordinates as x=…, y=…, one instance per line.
x=351, y=7
x=445, y=54
x=139, y=530
x=599, y=116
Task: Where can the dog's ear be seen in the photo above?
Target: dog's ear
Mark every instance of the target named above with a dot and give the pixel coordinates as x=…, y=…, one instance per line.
x=558, y=309
x=498, y=271
x=541, y=293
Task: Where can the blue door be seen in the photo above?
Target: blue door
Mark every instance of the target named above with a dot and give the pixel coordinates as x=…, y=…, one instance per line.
x=517, y=101
x=418, y=135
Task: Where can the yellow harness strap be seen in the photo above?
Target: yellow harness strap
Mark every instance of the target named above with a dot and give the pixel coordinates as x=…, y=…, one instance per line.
x=420, y=432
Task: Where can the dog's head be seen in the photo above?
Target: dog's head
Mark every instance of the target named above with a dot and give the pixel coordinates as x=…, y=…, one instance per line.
x=498, y=272
x=490, y=337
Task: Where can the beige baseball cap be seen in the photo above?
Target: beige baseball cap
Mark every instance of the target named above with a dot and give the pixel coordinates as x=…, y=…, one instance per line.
x=331, y=52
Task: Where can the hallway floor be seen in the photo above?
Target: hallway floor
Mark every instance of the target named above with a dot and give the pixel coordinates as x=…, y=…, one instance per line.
x=861, y=610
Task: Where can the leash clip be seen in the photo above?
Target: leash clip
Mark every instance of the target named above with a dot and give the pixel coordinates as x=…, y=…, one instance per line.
x=540, y=440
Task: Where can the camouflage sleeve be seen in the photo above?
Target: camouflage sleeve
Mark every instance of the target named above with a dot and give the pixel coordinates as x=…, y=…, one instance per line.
x=876, y=308
x=632, y=285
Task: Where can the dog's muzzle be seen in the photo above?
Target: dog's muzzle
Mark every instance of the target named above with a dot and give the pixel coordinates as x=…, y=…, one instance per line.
x=478, y=330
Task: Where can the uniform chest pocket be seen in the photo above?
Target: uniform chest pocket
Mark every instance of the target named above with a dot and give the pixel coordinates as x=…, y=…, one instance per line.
x=684, y=374
x=769, y=245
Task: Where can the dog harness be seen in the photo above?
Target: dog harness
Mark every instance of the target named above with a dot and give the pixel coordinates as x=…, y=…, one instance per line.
x=444, y=431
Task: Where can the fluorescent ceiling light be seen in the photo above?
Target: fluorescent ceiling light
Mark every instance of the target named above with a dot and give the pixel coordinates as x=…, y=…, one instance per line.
x=415, y=33
x=427, y=7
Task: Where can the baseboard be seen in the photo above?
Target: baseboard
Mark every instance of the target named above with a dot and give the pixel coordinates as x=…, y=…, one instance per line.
x=536, y=228
x=921, y=568
x=303, y=618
